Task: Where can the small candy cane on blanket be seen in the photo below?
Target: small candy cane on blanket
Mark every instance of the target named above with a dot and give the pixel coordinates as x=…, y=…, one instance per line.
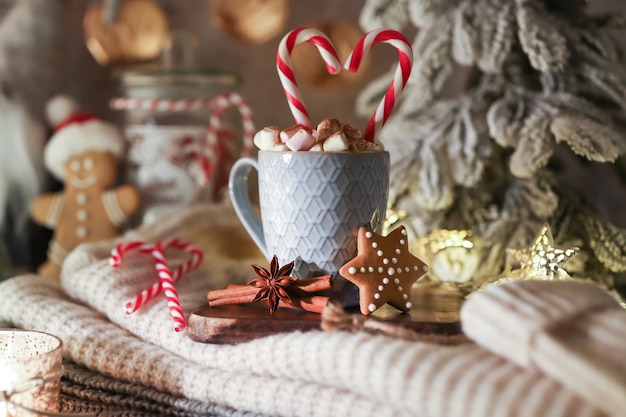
x=285, y=69
x=117, y=254
x=166, y=277
x=400, y=78
x=192, y=263
x=166, y=282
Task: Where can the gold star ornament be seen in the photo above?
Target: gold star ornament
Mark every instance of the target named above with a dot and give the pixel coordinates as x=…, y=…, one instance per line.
x=384, y=270
x=541, y=260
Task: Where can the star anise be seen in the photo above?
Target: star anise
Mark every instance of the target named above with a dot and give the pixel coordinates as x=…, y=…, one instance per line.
x=272, y=284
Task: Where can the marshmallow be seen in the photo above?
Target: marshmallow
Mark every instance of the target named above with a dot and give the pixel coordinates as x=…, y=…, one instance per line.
x=279, y=147
x=302, y=140
x=266, y=138
x=328, y=136
x=365, y=146
x=327, y=127
x=352, y=133
x=336, y=142
x=289, y=132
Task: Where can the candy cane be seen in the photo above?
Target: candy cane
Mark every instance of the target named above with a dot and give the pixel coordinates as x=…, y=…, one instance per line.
x=192, y=263
x=222, y=103
x=400, y=78
x=128, y=103
x=166, y=282
x=285, y=70
x=166, y=277
x=193, y=153
x=117, y=254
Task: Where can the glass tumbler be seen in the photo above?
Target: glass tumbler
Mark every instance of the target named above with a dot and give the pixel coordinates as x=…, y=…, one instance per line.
x=30, y=372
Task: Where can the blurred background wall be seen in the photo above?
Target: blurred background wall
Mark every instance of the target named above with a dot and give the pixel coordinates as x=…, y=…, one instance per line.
x=92, y=84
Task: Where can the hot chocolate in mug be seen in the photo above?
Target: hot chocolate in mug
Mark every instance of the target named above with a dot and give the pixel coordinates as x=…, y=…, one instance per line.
x=312, y=203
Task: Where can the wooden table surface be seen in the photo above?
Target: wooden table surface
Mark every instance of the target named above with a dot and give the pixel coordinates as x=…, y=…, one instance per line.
x=435, y=311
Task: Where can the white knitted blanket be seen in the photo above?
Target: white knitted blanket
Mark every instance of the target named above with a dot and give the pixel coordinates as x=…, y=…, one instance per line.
x=543, y=348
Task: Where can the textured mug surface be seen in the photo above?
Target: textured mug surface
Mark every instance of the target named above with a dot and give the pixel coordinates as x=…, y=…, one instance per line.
x=27, y=356
x=312, y=203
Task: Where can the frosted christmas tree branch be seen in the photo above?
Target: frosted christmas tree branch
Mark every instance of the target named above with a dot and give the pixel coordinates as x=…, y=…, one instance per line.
x=542, y=74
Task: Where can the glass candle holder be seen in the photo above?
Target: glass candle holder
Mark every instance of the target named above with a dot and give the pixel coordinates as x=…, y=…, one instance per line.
x=30, y=373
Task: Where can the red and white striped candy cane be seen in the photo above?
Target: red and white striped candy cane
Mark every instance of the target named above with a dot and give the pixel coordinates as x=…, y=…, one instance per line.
x=285, y=69
x=400, y=78
x=167, y=285
x=117, y=254
x=192, y=263
x=166, y=277
x=159, y=104
x=222, y=103
x=191, y=152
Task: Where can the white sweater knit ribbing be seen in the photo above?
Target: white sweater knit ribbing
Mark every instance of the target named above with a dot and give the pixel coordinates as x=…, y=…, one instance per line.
x=298, y=374
x=572, y=331
x=295, y=374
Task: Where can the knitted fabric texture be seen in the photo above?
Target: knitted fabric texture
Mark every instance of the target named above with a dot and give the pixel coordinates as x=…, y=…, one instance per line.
x=297, y=374
x=87, y=391
x=572, y=331
x=293, y=374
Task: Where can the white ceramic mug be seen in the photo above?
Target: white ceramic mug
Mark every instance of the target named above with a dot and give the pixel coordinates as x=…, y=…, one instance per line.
x=312, y=203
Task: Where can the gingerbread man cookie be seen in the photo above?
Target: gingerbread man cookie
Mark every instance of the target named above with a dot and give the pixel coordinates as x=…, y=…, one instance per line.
x=83, y=153
x=384, y=270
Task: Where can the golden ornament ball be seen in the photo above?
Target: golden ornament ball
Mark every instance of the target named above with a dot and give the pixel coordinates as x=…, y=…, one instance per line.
x=137, y=33
x=250, y=21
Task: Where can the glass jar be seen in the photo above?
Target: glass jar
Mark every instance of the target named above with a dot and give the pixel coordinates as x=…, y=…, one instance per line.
x=167, y=115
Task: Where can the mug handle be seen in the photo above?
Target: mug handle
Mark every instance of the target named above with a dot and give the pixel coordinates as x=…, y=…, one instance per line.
x=238, y=190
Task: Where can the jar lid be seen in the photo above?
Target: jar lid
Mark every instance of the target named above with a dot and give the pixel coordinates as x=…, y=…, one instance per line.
x=157, y=76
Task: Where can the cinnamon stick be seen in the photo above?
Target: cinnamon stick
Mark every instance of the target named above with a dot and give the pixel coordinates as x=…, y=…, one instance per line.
x=310, y=285
x=224, y=301
x=246, y=293
x=314, y=304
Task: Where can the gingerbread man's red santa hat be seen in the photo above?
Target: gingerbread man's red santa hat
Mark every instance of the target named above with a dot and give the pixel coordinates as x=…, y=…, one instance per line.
x=75, y=133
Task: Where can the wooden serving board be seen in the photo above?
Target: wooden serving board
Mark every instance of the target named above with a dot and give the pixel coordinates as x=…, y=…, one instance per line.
x=435, y=311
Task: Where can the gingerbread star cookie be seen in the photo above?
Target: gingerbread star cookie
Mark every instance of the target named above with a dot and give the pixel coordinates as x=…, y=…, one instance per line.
x=384, y=270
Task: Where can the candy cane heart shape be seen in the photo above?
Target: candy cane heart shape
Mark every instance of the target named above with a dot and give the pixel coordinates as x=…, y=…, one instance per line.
x=118, y=253
x=285, y=68
x=167, y=278
x=400, y=77
x=192, y=263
